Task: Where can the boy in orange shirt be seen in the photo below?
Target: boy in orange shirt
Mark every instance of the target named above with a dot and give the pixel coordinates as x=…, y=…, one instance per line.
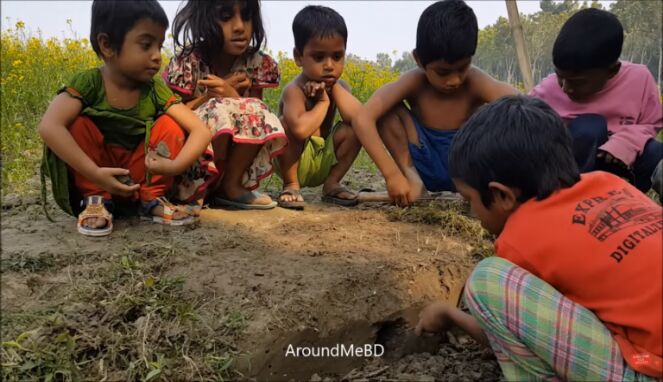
x=580, y=301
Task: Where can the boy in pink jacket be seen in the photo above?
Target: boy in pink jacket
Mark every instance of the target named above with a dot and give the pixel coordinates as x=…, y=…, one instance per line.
x=611, y=107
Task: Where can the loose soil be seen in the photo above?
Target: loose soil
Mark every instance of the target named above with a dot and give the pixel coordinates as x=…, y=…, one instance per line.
x=225, y=299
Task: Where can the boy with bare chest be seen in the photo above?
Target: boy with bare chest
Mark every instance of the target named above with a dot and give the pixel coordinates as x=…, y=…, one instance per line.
x=441, y=94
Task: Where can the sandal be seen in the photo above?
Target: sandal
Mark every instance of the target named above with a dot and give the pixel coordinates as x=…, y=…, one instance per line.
x=332, y=197
x=244, y=202
x=95, y=208
x=169, y=210
x=294, y=204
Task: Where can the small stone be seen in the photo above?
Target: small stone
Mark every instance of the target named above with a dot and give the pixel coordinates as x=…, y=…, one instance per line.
x=162, y=150
x=315, y=378
x=125, y=179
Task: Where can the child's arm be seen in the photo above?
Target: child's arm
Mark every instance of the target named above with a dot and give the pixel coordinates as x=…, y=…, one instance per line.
x=628, y=141
x=488, y=88
x=53, y=129
x=301, y=123
x=194, y=103
x=199, y=138
x=365, y=126
x=347, y=104
x=439, y=317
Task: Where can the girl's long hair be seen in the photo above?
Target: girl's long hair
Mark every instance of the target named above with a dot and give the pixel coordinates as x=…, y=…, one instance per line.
x=196, y=26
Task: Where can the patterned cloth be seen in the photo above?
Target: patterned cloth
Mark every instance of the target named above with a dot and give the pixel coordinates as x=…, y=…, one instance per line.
x=247, y=120
x=537, y=333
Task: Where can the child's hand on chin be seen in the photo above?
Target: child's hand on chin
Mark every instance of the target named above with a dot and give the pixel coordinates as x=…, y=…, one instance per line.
x=316, y=90
x=159, y=165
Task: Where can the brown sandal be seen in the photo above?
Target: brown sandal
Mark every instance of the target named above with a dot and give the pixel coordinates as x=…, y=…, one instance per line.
x=332, y=197
x=293, y=205
x=94, y=208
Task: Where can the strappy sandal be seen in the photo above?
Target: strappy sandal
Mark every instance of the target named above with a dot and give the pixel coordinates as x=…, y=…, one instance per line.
x=294, y=204
x=95, y=208
x=332, y=197
x=169, y=210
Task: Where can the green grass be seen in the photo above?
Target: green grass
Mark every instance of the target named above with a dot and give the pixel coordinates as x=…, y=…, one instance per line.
x=124, y=320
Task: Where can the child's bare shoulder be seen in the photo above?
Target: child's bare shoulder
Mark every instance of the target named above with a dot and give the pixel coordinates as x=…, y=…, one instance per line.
x=413, y=79
x=409, y=85
x=485, y=87
x=293, y=91
x=345, y=85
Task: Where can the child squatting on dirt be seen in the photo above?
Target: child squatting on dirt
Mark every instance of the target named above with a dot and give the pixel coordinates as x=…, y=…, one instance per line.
x=441, y=94
x=319, y=151
x=220, y=73
x=612, y=107
x=582, y=304
x=115, y=130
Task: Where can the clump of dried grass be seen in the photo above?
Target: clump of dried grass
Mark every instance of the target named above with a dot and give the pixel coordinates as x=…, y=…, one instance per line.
x=454, y=220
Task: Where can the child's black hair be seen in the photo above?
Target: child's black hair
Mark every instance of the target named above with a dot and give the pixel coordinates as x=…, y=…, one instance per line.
x=518, y=141
x=116, y=17
x=315, y=21
x=590, y=39
x=196, y=26
x=447, y=30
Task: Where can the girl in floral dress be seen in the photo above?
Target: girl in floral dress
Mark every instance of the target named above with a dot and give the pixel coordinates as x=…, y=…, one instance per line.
x=220, y=74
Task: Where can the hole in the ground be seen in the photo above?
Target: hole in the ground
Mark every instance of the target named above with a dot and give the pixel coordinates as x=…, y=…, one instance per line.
x=399, y=340
x=394, y=333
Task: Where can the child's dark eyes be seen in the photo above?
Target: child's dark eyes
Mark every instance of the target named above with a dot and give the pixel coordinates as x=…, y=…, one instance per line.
x=226, y=16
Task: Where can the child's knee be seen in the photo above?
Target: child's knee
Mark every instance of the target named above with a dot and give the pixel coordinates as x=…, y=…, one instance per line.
x=487, y=278
x=83, y=127
x=165, y=126
x=653, y=151
x=345, y=133
x=591, y=127
x=390, y=124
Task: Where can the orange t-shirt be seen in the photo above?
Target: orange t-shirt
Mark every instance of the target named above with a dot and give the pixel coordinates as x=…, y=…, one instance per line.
x=599, y=243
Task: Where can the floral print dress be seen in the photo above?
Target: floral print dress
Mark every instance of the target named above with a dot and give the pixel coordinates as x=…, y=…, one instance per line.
x=247, y=120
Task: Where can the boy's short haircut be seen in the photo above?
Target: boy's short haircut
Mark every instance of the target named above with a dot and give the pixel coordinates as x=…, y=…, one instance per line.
x=518, y=141
x=116, y=17
x=590, y=39
x=446, y=30
x=315, y=21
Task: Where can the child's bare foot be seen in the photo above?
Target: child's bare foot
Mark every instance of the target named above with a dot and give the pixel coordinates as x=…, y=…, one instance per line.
x=291, y=197
x=94, y=223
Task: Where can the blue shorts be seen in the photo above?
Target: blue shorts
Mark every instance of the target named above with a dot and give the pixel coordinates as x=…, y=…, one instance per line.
x=431, y=156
